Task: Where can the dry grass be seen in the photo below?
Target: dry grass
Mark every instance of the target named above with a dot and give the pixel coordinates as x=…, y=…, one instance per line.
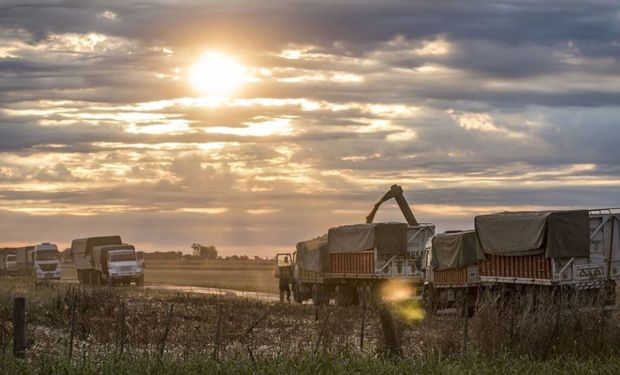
x=287, y=336
x=554, y=325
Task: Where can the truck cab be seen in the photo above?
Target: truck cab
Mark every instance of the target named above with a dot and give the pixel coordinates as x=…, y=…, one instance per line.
x=8, y=263
x=118, y=264
x=46, y=259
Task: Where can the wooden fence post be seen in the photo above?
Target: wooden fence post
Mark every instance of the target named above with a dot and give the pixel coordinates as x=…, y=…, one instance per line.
x=465, y=317
x=321, y=332
x=122, y=329
x=166, y=330
x=216, y=345
x=389, y=331
x=362, y=328
x=72, y=330
x=19, y=327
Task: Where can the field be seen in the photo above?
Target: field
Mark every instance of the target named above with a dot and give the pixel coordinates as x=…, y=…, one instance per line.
x=254, y=276
x=134, y=330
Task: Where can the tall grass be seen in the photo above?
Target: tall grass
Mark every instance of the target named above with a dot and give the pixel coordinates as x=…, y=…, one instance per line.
x=507, y=335
x=322, y=363
x=545, y=325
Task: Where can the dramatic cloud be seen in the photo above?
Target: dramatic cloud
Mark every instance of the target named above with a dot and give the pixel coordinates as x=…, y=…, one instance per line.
x=112, y=121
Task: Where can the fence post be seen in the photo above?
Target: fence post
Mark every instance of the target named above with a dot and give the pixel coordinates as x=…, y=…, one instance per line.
x=389, y=331
x=362, y=328
x=321, y=332
x=163, y=342
x=19, y=327
x=72, y=331
x=216, y=345
x=465, y=317
x=122, y=329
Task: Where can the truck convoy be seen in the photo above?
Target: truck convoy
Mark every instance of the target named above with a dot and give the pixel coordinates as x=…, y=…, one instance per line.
x=577, y=251
x=106, y=260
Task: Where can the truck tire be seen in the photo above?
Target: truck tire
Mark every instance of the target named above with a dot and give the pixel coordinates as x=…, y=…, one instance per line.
x=296, y=293
x=315, y=295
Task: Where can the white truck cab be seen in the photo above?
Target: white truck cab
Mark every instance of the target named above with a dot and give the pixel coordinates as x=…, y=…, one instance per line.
x=118, y=264
x=8, y=264
x=46, y=259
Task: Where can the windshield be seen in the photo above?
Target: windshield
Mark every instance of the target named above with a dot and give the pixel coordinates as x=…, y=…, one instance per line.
x=284, y=260
x=48, y=255
x=10, y=258
x=125, y=256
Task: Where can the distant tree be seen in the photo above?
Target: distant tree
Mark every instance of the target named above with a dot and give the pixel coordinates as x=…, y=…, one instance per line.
x=244, y=257
x=256, y=257
x=204, y=252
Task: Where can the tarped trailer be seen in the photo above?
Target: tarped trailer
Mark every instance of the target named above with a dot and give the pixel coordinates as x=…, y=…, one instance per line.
x=590, y=264
x=377, y=251
x=351, y=260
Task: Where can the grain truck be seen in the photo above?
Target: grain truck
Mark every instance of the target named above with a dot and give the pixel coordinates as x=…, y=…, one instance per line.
x=576, y=251
x=8, y=261
x=106, y=260
x=350, y=262
x=46, y=262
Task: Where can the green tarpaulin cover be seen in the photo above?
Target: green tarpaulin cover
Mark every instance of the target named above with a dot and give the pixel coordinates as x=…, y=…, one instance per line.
x=556, y=234
x=387, y=238
x=455, y=250
x=312, y=255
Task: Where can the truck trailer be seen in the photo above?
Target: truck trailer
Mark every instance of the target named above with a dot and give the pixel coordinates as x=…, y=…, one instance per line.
x=576, y=251
x=106, y=260
x=25, y=260
x=351, y=262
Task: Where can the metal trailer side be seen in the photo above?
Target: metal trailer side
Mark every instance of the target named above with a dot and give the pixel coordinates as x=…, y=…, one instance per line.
x=354, y=276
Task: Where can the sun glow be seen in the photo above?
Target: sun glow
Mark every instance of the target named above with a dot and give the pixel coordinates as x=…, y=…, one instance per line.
x=217, y=74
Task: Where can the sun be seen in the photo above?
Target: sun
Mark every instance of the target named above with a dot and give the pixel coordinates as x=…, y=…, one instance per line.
x=217, y=74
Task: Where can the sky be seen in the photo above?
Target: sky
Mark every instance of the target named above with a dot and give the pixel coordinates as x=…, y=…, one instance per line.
x=252, y=125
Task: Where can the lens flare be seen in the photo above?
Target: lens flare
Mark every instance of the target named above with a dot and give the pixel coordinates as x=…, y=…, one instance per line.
x=402, y=296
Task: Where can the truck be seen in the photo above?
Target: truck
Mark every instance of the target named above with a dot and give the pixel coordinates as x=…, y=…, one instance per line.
x=46, y=262
x=350, y=262
x=577, y=251
x=106, y=260
x=25, y=261
x=8, y=261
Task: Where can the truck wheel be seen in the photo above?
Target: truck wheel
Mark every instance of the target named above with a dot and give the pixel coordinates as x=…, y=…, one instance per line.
x=315, y=295
x=341, y=296
x=296, y=293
